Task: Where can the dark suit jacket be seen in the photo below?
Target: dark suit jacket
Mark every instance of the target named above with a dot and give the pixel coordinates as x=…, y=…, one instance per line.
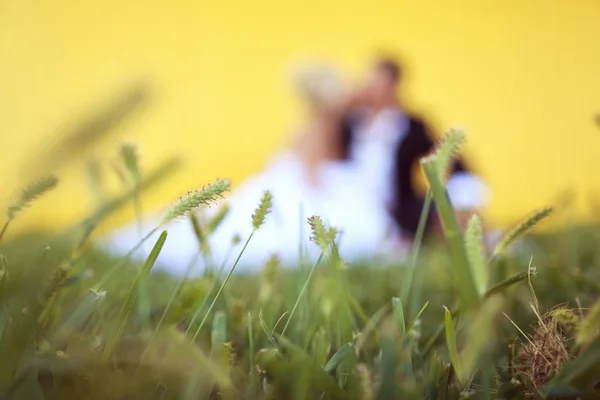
x=418, y=142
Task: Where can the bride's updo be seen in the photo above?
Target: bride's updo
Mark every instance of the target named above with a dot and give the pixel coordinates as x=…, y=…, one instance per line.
x=320, y=86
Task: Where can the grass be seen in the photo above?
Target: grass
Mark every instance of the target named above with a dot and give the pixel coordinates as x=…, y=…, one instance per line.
x=455, y=322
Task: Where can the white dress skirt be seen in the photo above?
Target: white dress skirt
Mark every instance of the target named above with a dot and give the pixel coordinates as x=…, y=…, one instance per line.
x=342, y=201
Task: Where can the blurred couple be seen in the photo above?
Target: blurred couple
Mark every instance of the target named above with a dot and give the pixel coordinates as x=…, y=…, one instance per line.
x=351, y=162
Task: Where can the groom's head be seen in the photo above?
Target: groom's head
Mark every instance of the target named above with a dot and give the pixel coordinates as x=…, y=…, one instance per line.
x=383, y=80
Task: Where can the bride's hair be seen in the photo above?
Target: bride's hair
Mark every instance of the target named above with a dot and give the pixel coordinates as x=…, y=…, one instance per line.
x=320, y=86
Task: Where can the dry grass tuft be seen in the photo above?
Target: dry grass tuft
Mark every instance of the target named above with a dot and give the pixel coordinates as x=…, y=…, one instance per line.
x=548, y=348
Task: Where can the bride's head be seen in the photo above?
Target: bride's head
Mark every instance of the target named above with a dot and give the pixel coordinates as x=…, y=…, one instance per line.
x=320, y=88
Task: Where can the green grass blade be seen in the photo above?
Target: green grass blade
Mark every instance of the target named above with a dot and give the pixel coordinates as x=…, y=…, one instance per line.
x=123, y=261
x=451, y=343
x=217, y=219
x=150, y=180
x=87, y=306
x=588, y=330
x=202, y=303
x=399, y=315
x=505, y=284
x=475, y=253
x=481, y=335
x=302, y=292
x=218, y=335
x=456, y=310
x=407, y=282
x=340, y=355
x=389, y=363
x=294, y=368
x=251, y=349
x=578, y=374
x=91, y=131
x=266, y=329
x=125, y=310
x=174, y=294
x=414, y=321
x=212, y=304
x=463, y=278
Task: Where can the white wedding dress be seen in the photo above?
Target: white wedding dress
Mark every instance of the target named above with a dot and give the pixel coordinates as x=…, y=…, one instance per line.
x=353, y=197
x=342, y=201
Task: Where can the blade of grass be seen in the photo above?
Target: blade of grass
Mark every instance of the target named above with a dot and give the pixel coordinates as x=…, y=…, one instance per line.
x=151, y=179
x=456, y=311
x=581, y=373
x=445, y=151
x=475, y=253
x=92, y=130
x=278, y=322
x=129, y=157
x=452, y=349
x=481, y=335
x=302, y=292
x=218, y=334
x=414, y=321
x=213, y=287
x=505, y=284
x=251, y=347
x=340, y=355
x=169, y=305
x=212, y=304
x=388, y=388
x=88, y=304
x=407, y=282
x=588, y=330
x=125, y=309
x=463, y=278
x=258, y=219
x=399, y=315
x=266, y=329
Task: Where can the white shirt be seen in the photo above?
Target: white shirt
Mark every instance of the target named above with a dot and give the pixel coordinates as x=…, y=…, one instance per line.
x=374, y=148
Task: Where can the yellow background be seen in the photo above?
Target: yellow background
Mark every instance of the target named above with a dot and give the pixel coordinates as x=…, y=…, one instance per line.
x=522, y=77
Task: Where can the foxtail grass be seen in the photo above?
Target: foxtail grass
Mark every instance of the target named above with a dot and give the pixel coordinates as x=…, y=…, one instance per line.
x=520, y=229
x=463, y=278
x=258, y=219
x=28, y=195
x=321, y=237
x=195, y=199
x=475, y=253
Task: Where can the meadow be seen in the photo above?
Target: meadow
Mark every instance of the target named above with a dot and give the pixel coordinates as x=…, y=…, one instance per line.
x=455, y=321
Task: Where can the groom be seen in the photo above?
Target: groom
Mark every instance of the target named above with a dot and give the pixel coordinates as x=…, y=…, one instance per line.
x=386, y=142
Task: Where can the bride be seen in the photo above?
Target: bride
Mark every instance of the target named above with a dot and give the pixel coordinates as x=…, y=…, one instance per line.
x=307, y=178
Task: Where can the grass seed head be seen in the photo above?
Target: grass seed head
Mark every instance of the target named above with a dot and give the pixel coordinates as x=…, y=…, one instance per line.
x=319, y=234
x=263, y=209
x=521, y=228
x=130, y=159
x=448, y=149
x=196, y=199
x=365, y=379
x=30, y=193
